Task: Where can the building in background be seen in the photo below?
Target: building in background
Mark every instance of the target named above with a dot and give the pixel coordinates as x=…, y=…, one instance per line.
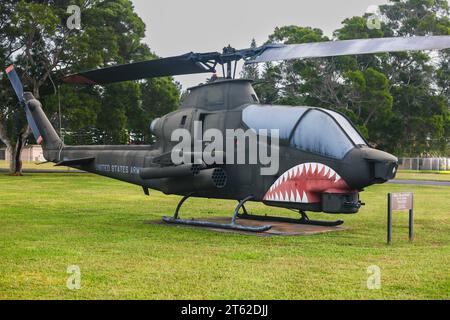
x=31, y=153
x=426, y=164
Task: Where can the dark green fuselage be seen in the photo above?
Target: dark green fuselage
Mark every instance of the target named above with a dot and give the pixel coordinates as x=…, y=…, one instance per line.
x=220, y=105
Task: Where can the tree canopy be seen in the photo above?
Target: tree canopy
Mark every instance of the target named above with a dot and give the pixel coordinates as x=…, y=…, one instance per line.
x=399, y=101
x=35, y=37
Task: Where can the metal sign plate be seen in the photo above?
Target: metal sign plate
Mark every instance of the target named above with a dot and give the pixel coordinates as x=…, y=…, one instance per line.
x=401, y=201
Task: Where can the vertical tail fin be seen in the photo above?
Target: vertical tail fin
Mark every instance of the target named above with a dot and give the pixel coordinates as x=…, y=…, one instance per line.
x=43, y=131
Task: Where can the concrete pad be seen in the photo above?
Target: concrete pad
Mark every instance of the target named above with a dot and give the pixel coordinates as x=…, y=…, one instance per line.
x=278, y=228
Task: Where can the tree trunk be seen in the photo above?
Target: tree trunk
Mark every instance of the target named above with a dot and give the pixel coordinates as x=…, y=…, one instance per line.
x=4, y=138
x=15, y=165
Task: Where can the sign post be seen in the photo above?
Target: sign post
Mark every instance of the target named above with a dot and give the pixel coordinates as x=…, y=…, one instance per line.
x=400, y=202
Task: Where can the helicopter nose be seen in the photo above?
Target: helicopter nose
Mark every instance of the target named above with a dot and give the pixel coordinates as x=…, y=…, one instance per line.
x=366, y=166
x=382, y=164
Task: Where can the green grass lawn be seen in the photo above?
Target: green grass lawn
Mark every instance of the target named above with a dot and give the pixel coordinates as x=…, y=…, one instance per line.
x=36, y=165
x=48, y=222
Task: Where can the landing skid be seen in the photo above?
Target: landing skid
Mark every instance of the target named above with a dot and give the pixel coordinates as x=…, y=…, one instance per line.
x=303, y=220
x=235, y=226
x=201, y=223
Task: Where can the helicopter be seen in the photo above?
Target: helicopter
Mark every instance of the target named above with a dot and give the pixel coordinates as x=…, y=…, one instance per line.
x=322, y=160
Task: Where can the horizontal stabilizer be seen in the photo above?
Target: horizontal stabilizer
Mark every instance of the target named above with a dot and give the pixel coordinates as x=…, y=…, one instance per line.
x=74, y=162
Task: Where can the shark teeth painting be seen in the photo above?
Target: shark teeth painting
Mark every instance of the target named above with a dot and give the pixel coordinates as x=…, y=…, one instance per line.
x=304, y=183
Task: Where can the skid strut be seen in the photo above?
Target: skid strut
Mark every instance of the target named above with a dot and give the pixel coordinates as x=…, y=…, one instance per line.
x=303, y=219
x=202, y=223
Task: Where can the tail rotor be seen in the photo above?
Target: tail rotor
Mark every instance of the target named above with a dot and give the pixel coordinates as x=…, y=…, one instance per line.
x=18, y=88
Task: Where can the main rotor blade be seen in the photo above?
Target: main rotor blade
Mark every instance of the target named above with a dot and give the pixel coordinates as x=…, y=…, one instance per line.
x=171, y=66
x=191, y=63
x=351, y=47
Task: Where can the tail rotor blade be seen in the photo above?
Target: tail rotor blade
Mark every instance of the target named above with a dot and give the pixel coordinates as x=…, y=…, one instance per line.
x=15, y=82
x=18, y=88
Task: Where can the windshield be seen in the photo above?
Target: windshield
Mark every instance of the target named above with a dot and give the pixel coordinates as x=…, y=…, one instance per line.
x=348, y=127
x=318, y=133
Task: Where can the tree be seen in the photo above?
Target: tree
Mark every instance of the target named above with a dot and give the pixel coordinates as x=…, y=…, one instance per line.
x=251, y=71
x=11, y=118
x=158, y=97
x=35, y=37
x=117, y=99
x=418, y=81
x=288, y=81
x=399, y=101
x=125, y=109
x=268, y=88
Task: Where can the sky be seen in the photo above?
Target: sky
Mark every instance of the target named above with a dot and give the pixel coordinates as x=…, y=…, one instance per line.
x=176, y=27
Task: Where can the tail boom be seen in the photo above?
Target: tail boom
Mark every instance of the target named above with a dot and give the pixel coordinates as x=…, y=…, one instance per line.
x=42, y=129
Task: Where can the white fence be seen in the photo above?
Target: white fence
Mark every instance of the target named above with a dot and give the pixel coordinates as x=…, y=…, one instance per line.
x=435, y=164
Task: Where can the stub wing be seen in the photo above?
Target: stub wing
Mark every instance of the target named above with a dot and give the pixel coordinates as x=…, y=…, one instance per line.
x=74, y=162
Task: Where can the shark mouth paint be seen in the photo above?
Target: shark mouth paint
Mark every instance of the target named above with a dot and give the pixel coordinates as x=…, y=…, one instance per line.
x=305, y=183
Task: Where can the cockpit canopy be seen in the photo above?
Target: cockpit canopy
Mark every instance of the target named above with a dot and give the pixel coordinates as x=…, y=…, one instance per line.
x=314, y=130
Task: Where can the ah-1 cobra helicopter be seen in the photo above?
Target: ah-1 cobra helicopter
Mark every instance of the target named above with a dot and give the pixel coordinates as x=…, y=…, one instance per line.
x=324, y=161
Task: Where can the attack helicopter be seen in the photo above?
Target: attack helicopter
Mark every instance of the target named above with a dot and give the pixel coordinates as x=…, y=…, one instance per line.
x=323, y=161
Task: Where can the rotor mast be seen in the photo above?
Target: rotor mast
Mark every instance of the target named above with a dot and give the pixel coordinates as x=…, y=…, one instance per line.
x=229, y=50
